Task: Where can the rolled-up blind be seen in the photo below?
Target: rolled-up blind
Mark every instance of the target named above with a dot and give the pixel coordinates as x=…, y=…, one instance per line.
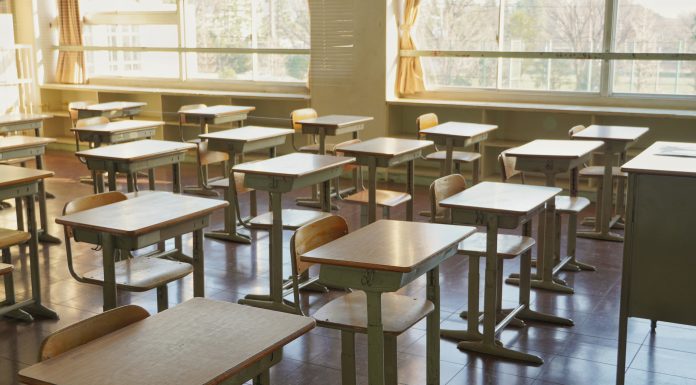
x=332, y=41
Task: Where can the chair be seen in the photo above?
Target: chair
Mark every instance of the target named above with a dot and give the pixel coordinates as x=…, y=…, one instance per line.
x=204, y=157
x=508, y=247
x=458, y=157
x=348, y=313
x=93, y=121
x=136, y=274
x=596, y=174
x=73, y=115
x=565, y=205
x=385, y=199
x=90, y=329
x=9, y=238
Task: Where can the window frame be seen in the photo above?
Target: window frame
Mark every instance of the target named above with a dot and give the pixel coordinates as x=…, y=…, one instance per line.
x=608, y=57
x=176, y=18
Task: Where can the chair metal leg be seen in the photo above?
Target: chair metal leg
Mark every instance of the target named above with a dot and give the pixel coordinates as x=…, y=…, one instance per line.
x=390, y=360
x=162, y=298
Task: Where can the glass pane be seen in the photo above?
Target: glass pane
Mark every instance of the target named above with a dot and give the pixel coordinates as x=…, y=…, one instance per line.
x=456, y=25
x=247, y=23
x=655, y=77
x=124, y=35
x=459, y=72
x=551, y=75
x=666, y=26
x=258, y=67
x=133, y=64
x=96, y=6
x=553, y=25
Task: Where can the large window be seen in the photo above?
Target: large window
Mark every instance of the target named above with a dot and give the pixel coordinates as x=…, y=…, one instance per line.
x=644, y=47
x=197, y=40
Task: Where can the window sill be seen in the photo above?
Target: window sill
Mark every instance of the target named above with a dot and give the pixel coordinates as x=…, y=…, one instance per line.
x=543, y=107
x=175, y=91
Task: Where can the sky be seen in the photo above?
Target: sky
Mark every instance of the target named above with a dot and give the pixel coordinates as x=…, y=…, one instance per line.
x=670, y=8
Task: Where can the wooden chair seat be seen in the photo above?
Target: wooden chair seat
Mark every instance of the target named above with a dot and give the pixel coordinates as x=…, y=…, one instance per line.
x=314, y=148
x=570, y=205
x=385, y=198
x=399, y=312
x=207, y=157
x=142, y=273
x=293, y=219
x=509, y=246
x=9, y=238
x=598, y=172
x=5, y=268
x=457, y=156
x=224, y=183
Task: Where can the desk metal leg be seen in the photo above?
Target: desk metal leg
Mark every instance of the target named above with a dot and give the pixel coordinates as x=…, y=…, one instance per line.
x=151, y=179
x=477, y=165
x=604, y=232
x=176, y=188
x=449, y=149
x=112, y=177
x=198, y=264
x=109, y=289
x=375, y=339
x=202, y=187
x=472, y=330
x=274, y=300
x=433, y=328
x=229, y=233
x=130, y=182
x=410, y=189
x=44, y=236
x=372, y=191
x=489, y=344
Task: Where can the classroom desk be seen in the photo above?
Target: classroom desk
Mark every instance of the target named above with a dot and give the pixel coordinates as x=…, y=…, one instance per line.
x=384, y=257
x=333, y=125
x=387, y=152
x=132, y=157
x=24, y=183
x=219, y=114
x=111, y=110
x=239, y=141
x=458, y=134
x=617, y=139
x=199, y=342
x=657, y=281
x=145, y=219
x=22, y=122
x=552, y=157
x=277, y=176
x=14, y=147
x=117, y=132
x=503, y=205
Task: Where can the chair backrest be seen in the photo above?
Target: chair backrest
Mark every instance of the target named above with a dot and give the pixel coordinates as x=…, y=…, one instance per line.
x=89, y=202
x=72, y=110
x=187, y=107
x=93, y=121
x=313, y=235
x=507, y=167
x=90, y=329
x=575, y=130
x=426, y=121
x=302, y=114
x=443, y=188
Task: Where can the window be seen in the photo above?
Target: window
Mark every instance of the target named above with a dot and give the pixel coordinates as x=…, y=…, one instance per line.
x=558, y=45
x=197, y=40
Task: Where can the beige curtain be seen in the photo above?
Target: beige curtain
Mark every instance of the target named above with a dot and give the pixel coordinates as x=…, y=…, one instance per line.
x=71, y=65
x=410, y=74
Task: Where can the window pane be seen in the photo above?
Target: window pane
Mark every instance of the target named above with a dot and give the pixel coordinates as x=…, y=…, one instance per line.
x=459, y=72
x=655, y=77
x=247, y=23
x=258, y=67
x=553, y=25
x=456, y=25
x=666, y=26
x=112, y=35
x=132, y=64
x=551, y=75
x=96, y=6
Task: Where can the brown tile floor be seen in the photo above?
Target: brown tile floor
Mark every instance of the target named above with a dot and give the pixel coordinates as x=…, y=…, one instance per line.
x=583, y=354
